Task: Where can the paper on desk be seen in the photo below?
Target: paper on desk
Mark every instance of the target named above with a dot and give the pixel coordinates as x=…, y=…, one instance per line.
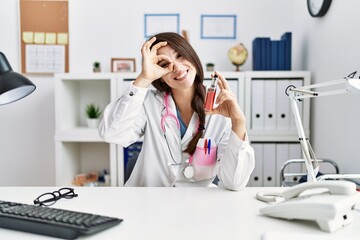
x=275, y=235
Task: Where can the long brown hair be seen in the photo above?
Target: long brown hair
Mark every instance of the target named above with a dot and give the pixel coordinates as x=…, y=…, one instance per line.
x=183, y=47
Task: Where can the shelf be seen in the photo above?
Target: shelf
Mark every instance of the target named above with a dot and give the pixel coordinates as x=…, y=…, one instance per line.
x=274, y=136
x=80, y=157
x=73, y=93
x=78, y=148
x=80, y=134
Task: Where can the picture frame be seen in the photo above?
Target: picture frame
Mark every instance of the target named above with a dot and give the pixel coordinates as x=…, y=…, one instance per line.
x=220, y=26
x=164, y=22
x=123, y=65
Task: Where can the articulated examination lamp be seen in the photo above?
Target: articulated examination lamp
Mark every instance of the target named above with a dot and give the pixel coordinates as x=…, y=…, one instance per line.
x=347, y=85
x=13, y=86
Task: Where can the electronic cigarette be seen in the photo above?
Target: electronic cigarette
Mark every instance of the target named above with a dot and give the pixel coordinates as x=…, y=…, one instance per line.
x=210, y=94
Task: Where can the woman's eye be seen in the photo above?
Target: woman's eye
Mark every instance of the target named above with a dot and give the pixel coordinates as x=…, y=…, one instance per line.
x=164, y=64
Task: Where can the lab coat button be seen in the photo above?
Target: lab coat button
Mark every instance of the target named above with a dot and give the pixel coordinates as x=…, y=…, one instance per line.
x=131, y=93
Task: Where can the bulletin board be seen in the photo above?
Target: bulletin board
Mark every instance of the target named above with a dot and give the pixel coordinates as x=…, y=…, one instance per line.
x=44, y=27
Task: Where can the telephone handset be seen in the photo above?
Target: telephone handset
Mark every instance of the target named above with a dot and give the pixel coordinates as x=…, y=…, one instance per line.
x=334, y=187
x=329, y=203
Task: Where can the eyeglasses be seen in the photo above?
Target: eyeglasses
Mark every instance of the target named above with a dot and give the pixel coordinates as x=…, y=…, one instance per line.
x=49, y=198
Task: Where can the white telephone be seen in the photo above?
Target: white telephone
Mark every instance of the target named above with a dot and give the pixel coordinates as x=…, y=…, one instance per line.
x=329, y=203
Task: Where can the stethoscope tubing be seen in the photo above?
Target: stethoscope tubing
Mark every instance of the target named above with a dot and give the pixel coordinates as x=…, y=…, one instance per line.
x=162, y=124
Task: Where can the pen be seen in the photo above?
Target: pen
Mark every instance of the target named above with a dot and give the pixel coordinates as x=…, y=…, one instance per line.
x=205, y=145
x=209, y=145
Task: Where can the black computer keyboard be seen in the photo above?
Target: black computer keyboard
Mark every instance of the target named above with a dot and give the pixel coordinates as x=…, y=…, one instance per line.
x=53, y=222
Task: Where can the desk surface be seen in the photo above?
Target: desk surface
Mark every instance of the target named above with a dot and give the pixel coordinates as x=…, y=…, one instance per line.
x=179, y=213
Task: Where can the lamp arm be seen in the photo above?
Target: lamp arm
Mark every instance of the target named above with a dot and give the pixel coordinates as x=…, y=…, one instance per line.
x=311, y=168
x=305, y=92
x=349, y=83
x=325, y=84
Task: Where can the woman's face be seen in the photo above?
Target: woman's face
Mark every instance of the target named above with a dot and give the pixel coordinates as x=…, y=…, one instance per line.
x=183, y=74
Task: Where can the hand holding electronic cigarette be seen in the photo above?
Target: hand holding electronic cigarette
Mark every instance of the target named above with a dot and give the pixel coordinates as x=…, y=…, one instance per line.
x=210, y=94
x=228, y=106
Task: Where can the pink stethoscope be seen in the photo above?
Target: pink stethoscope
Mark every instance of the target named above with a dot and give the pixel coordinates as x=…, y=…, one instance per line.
x=189, y=170
x=168, y=114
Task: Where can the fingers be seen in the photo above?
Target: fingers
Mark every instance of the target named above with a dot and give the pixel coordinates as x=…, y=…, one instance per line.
x=222, y=83
x=147, y=45
x=169, y=63
x=150, y=41
x=225, y=95
x=212, y=112
x=158, y=45
x=162, y=57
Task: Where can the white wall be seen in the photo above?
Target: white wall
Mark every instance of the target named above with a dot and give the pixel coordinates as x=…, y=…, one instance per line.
x=103, y=29
x=114, y=29
x=27, y=126
x=333, y=51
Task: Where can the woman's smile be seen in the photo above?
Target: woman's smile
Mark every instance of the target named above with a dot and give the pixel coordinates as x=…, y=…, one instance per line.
x=181, y=76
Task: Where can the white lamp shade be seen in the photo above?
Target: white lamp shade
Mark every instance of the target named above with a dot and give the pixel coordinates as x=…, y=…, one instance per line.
x=354, y=85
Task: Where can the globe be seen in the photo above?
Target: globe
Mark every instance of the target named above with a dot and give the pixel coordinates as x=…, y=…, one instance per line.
x=238, y=55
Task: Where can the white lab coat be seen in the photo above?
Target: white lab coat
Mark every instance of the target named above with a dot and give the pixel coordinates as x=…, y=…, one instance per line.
x=138, y=112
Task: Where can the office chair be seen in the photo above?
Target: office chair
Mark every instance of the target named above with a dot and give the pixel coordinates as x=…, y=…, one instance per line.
x=131, y=154
x=288, y=179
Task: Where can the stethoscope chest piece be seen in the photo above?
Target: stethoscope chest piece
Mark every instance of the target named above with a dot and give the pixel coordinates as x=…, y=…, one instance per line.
x=189, y=171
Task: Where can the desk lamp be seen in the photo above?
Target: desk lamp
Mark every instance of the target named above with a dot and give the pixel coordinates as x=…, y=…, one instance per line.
x=347, y=85
x=13, y=86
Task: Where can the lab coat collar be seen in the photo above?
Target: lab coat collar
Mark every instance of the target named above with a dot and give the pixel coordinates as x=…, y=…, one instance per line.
x=191, y=130
x=160, y=96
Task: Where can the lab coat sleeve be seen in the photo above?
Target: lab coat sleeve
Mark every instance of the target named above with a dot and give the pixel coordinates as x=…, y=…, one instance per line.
x=124, y=119
x=236, y=163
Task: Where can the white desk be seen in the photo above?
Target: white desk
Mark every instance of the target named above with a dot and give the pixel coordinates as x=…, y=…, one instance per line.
x=178, y=213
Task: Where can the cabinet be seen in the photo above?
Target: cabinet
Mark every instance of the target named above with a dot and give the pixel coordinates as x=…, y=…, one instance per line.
x=270, y=123
x=79, y=149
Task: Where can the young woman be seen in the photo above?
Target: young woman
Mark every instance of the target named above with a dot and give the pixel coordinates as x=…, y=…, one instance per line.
x=183, y=145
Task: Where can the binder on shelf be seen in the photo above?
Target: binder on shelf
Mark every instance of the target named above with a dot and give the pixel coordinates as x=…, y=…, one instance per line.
x=270, y=104
x=283, y=105
x=270, y=159
x=257, y=104
x=261, y=53
x=256, y=46
x=272, y=55
x=257, y=175
x=274, y=64
x=287, y=38
x=281, y=56
x=266, y=46
x=282, y=155
x=269, y=165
